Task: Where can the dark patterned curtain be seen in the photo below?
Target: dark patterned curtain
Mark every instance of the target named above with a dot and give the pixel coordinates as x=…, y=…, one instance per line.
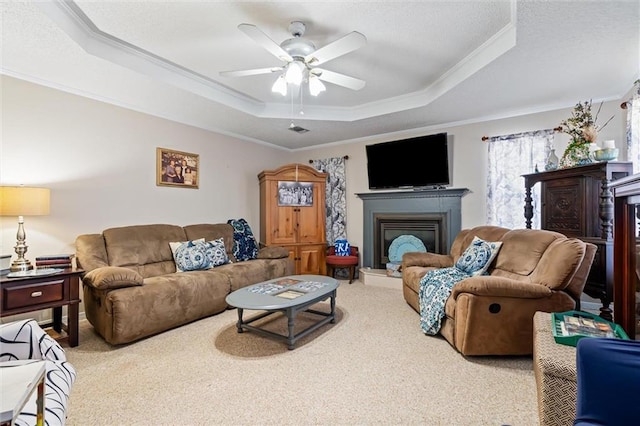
x=336, y=208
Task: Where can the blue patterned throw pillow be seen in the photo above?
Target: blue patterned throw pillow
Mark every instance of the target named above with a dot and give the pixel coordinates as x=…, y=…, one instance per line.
x=477, y=258
x=342, y=248
x=190, y=256
x=215, y=252
x=245, y=246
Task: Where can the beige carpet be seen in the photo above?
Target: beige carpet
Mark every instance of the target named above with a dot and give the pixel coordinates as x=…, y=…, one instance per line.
x=374, y=366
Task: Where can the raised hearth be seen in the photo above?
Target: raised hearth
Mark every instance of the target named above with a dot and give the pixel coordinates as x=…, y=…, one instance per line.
x=433, y=216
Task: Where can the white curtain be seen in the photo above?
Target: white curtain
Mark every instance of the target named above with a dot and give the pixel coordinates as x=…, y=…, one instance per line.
x=633, y=138
x=510, y=157
x=633, y=129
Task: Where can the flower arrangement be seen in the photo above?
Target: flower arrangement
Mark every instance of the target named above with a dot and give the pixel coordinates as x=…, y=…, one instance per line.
x=583, y=128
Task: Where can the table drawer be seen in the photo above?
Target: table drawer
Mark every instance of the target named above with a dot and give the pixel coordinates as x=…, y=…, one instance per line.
x=33, y=294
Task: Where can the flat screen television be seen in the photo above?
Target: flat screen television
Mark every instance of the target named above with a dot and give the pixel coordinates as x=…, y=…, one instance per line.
x=417, y=162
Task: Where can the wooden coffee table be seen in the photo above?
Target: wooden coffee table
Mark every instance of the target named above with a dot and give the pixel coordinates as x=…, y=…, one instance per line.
x=289, y=295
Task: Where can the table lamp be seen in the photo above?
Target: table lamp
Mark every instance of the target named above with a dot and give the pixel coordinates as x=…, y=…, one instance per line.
x=23, y=201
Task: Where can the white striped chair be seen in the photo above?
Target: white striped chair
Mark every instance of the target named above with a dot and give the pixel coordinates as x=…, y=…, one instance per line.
x=24, y=340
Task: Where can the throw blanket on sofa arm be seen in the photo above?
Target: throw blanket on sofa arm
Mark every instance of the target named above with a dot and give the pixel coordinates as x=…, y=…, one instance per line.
x=435, y=288
x=436, y=285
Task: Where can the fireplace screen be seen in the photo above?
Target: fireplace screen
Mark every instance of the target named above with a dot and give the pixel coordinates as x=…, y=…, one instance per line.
x=429, y=228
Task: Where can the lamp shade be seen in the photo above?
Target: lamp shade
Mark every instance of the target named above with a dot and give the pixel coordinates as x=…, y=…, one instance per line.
x=24, y=201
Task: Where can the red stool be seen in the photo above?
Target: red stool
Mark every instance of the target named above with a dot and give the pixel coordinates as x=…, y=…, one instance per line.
x=340, y=262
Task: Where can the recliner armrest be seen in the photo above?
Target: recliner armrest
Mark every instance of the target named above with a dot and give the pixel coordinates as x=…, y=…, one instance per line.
x=111, y=277
x=426, y=259
x=273, y=252
x=486, y=285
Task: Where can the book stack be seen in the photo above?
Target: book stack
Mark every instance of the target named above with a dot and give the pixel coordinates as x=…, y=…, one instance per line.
x=63, y=261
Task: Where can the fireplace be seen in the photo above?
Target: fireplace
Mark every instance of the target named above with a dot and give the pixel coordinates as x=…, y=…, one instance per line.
x=434, y=216
x=428, y=228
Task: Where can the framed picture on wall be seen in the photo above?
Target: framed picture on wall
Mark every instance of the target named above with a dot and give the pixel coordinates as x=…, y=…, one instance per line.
x=295, y=193
x=177, y=168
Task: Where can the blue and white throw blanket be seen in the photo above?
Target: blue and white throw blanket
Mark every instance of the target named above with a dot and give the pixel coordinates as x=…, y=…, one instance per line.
x=435, y=288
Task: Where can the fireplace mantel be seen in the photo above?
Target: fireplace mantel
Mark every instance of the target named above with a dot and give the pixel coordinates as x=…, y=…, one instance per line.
x=445, y=201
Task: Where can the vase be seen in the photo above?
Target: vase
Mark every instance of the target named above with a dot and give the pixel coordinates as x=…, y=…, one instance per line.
x=576, y=155
x=552, y=161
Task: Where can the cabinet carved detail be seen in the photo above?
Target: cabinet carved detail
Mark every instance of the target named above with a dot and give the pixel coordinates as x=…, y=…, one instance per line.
x=577, y=202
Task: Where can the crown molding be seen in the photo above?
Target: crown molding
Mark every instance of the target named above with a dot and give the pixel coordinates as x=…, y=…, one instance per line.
x=69, y=17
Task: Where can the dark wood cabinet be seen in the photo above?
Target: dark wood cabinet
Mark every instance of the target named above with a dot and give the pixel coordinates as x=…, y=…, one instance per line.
x=577, y=202
x=626, y=305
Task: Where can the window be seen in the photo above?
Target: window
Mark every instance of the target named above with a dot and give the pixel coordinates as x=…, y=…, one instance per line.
x=510, y=157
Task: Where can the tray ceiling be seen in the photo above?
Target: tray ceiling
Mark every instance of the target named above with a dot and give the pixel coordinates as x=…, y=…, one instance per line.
x=426, y=64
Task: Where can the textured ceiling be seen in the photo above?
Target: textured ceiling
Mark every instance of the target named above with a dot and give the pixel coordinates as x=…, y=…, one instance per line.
x=426, y=64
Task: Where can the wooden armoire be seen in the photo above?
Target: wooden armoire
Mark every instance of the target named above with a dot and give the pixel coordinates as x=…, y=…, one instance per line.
x=577, y=202
x=292, y=215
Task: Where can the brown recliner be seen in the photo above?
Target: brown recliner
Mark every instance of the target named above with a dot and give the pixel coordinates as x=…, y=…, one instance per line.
x=535, y=270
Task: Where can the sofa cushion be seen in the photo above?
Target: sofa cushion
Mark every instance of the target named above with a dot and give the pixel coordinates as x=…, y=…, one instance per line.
x=477, y=258
x=110, y=277
x=245, y=246
x=144, y=248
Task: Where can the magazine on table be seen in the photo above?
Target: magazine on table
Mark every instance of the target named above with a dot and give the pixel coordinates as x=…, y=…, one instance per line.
x=266, y=288
x=309, y=286
x=572, y=325
x=290, y=294
x=287, y=281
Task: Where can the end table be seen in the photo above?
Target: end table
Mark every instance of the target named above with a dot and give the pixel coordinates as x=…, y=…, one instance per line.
x=36, y=292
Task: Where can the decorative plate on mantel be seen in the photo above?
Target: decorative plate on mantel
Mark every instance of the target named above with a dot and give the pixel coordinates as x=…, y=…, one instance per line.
x=404, y=244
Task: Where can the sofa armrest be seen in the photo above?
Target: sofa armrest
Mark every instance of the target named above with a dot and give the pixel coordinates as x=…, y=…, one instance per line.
x=273, y=252
x=486, y=285
x=426, y=259
x=112, y=277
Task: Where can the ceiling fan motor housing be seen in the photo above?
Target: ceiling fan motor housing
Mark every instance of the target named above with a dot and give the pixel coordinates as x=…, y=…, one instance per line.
x=298, y=47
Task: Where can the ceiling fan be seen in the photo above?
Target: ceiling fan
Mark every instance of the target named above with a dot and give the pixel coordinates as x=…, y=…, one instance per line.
x=302, y=58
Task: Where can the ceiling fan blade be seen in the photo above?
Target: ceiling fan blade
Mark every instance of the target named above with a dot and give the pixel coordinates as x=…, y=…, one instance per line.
x=244, y=73
x=352, y=41
x=339, y=79
x=263, y=40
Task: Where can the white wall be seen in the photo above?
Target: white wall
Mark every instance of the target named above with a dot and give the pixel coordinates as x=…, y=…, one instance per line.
x=99, y=161
x=469, y=158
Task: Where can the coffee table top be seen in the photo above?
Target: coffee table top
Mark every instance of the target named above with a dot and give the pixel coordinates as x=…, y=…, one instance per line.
x=19, y=379
x=282, y=293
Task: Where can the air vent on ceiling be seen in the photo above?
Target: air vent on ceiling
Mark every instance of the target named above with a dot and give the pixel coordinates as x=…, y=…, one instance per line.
x=297, y=129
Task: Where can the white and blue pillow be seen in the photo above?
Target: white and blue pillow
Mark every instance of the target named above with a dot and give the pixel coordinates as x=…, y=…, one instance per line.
x=477, y=258
x=342, y=248
x=216, y=252
x=198, y=255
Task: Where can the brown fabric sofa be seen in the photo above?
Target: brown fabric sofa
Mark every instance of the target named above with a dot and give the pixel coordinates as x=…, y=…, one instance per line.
x=535, y=270
x=131, y=287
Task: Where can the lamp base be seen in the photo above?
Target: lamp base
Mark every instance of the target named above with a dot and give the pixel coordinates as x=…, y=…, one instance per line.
x=21, y=265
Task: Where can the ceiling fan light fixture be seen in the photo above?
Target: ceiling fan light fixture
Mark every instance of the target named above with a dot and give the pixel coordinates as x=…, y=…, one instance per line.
x=316, y=86
x=294, y=73
x=280, y=86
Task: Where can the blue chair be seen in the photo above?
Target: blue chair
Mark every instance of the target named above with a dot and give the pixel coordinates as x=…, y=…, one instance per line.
x=608, y=382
